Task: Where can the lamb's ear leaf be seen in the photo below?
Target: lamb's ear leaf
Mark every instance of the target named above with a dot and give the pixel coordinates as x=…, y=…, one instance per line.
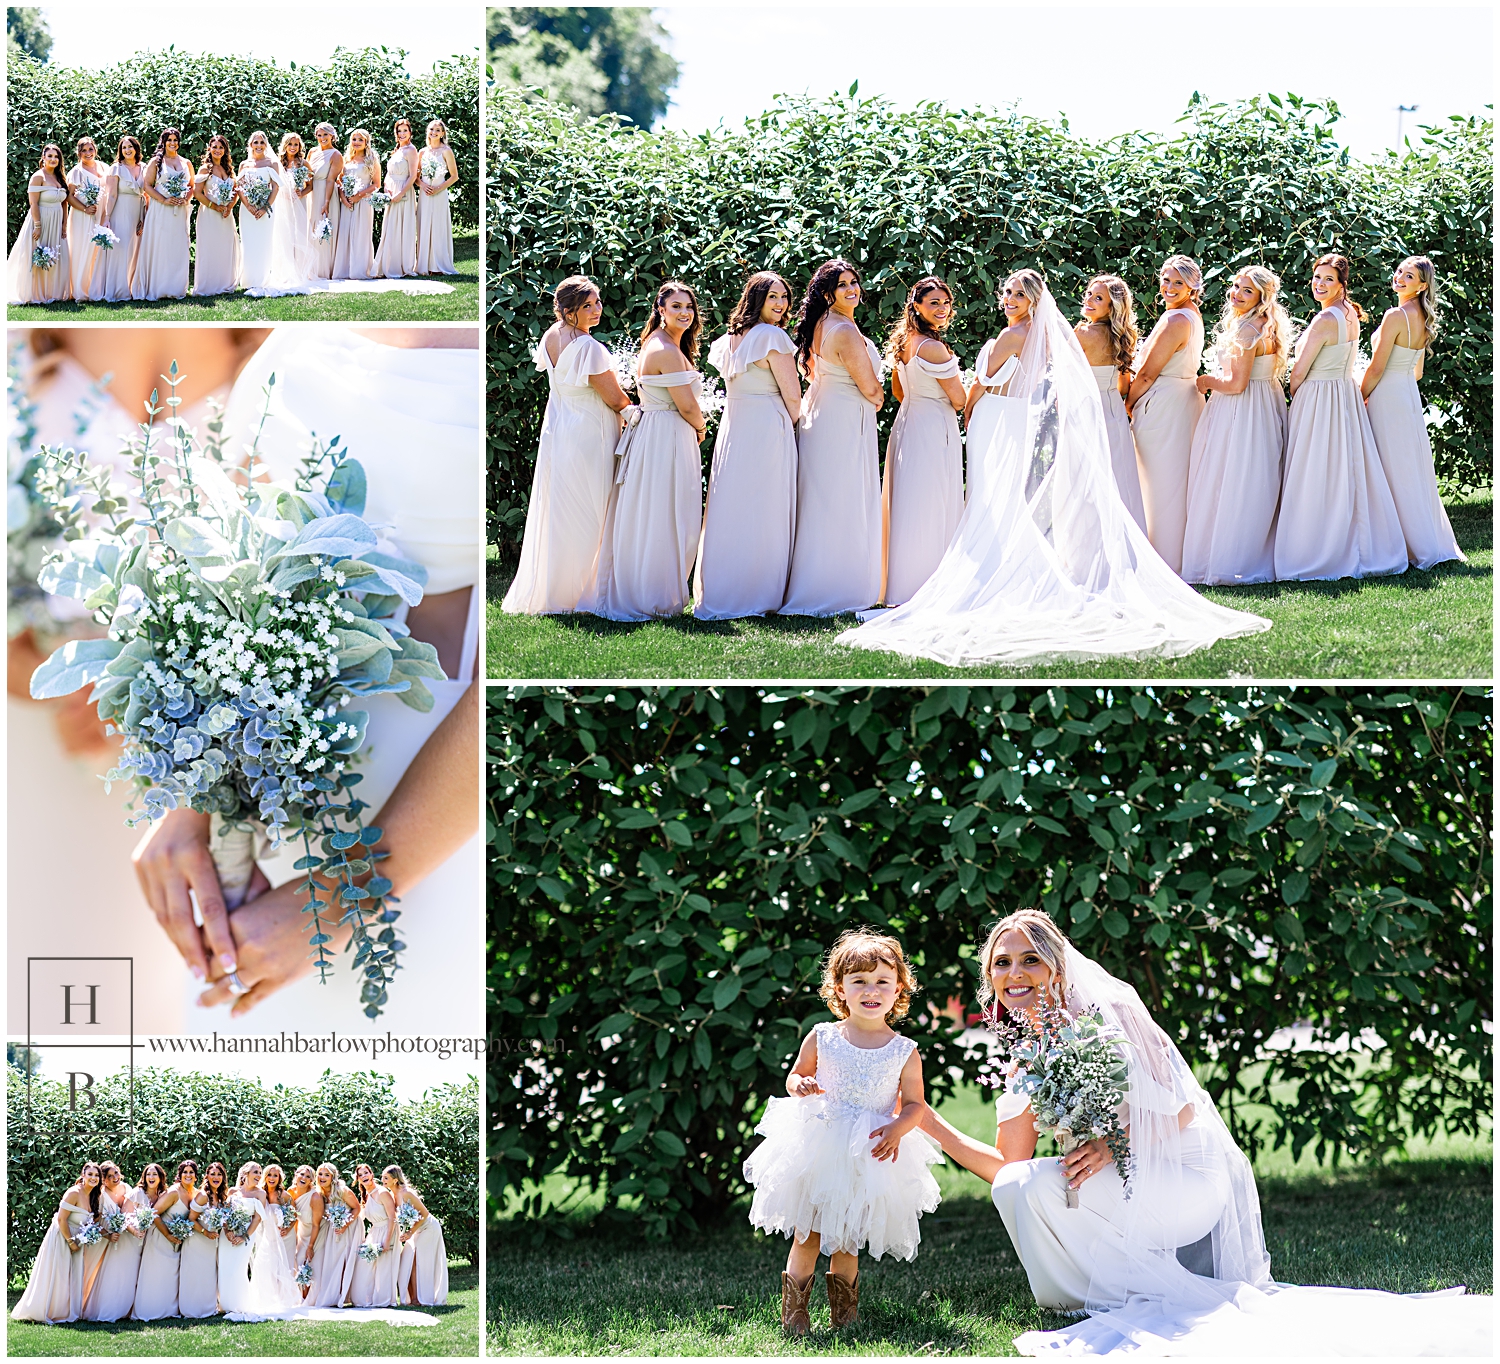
x=346, y=487
x=79, y=663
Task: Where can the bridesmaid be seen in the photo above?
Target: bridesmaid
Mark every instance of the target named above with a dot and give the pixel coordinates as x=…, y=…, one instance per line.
x=1164, y=405
x=309, y=1205
x=434, y=219
x=114, y=1293
x=354, y=258
x=216, y=267
x=339, y=1250
x=423, y=1276
x=655, y=514
x=123, y=208
x=294, y=162
x=85, y=182
x=327, y=164
x=198, y=1274
x=374, y=1281
x=1234, y=476
x=161, y=268
x=575, y=459
x=751, y=516
x=48, y=193
x=55, y=1289
x=836, y=553
x=156, y=1286
x=397, y=256
x=281, y=1225
x=924, y=458
x=1337, y=518
x=994, y=417
x=1108, y=335
x=1394, y=406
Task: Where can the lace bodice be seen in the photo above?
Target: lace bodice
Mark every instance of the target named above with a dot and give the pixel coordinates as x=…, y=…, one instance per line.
x=862, y=1077
x=1184, y=363
x=920, y=378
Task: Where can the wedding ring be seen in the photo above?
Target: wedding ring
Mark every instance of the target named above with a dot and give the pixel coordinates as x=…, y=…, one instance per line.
x=235, y=984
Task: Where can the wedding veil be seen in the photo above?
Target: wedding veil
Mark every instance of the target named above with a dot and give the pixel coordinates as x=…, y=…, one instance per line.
x=1046, y=562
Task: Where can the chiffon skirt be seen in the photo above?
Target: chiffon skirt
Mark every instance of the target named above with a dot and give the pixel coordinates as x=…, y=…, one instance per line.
x=54, y=1292
x=216, y=268
x=434, y=234
x=924, y=493
x=1234, y=486
x=751, y=516
x=324, y=252
x=1122, y=457
x=113, y=1293
x=161, y=267
x=1337, y=517
x=1163, y=424
x=653, y=524
x=81, y=251
x=1400, y=430
x=397, y=256
x=110, y=279
x=39, y=286
x=156, y=1286
x=198, y=1276
x=332, y=1267
x=353, y=257
x=373, y=1283
x=428, y=1255
x=814, y=1173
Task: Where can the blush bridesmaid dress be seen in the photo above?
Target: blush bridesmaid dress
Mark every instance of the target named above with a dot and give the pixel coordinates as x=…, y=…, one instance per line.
x=1163, y=423
x=110, y=280
x=434, y=221
x=161, y=268
x=353, y=256
x=81, y=226
x=397, y=256
x=41, y=286
x=216, y=267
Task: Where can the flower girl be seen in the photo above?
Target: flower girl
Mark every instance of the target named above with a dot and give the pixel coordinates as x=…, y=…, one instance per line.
x=828, y=1174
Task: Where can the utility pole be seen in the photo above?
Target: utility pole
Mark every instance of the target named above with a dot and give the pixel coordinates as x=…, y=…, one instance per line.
x=1401, y=111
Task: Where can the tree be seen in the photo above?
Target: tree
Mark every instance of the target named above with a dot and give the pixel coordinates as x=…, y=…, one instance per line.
x=23, y=1058
x=26, y=34
x=598, y=60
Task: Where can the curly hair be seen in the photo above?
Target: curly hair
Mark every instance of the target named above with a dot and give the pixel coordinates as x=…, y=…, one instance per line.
x=862, y=949
x=1340, y=267
x=1268, y=317
x=1430, y=300
x=689, y=342
x=159, y=156
x=1124, y=333
x=911, y=321
x=746, y=312
x=281, y=151
x=816, y=302
x=224, y=164
x=217, y=1196
x=1044, y=935
x=41, y=165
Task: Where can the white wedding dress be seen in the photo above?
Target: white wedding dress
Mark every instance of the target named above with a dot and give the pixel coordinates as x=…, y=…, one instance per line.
x=1047, y=563
x=411, y=418
x=1180, y=1267
x=283, y=255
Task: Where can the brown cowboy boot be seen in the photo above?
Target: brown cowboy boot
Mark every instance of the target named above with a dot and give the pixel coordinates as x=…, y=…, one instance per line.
x=843, y=1301
x=795, y=1318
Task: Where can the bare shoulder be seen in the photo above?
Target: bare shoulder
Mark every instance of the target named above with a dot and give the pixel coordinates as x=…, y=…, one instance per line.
x=934, y=351
x=660, y=356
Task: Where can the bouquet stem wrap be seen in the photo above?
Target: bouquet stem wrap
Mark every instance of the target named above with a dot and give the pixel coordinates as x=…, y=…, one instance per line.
x=1067, y=1143
x=234, y=845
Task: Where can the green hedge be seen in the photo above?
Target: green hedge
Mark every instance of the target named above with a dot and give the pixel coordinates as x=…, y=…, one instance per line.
x=669, y=865
x=349, y=1118
x=235, y=96
x=969, y=195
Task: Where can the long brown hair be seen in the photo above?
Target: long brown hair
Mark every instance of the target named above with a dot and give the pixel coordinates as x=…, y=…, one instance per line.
x=911, y=321
x=41, y=164
x=571, y=295
x=816, y=302
x=215, y=1199
x=1340, y=266
x=689, y=342
x=211, y=163
x=746, y=312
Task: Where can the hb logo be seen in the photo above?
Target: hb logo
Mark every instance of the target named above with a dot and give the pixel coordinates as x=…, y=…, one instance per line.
x=81, y=1004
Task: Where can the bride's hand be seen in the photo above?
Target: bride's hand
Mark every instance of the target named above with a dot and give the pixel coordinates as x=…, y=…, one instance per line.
x=270, y=934
x=1086, y=1160
x=171, y=861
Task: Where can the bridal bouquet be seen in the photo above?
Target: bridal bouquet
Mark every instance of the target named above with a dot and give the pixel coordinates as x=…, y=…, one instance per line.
x=211, y=1219
x=304, y=1276
x=144, y=1219
x=407, y=1217
x=285, y=1214
x=1075, y=1074
x=44, y=257
x=179, y=1226
x=434, y=169
x=243, y=620
x=237, y=1221
x=338, y=1212
x=89, y=1234
x=104, y=237
x=625, y=358
x=256, y=191
x=300, y=176
x=220, y=192
x=324, y=229
x=369, y=1252
x=174, y=184
x=114, y=1222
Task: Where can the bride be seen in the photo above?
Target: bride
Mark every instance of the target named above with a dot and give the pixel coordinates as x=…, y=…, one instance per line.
x=1046, y=562
x=255, y=1281
x=1176, y=1263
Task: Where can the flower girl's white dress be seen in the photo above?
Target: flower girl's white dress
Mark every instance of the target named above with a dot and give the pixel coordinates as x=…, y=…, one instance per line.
x=814, y=1171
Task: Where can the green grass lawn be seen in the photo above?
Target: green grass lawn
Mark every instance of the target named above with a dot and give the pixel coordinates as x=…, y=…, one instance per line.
x=457, y=1333
x=1436, y=624
x=462, y=305
x=1419, y=1223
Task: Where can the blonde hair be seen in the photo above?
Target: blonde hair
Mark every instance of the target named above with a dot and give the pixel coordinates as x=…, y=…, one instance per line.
x=336, y=1184
x=860, y=949
x=1032, y=285
x=297, y=1174
x=280, y=1179
x=1044, y=935
x=281, y=150
x=1268, y=317
x=1430, y=300
x=248, y=1165
x=1124, y=333
x=438, y=123
x=370, y=152
x=401, y=1179
x=1192, y=276
x=332, y=131
x=259, y=132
